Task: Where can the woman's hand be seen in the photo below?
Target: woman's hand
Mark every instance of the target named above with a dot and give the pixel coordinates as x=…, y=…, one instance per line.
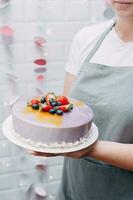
x=117, y=154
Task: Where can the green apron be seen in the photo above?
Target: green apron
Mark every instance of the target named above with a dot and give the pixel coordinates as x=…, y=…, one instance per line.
x=109, y=92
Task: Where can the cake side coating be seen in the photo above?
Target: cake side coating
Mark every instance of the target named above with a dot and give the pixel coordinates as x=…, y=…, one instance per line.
x=43, y=127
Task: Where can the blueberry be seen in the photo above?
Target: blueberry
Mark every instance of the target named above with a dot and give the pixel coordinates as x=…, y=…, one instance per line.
x=51, y=100
x=43, y=100
x=59, y=112
x=54, y=104
x=52, y=111
x=35, y=106
x=59, y=103
x=71, y=107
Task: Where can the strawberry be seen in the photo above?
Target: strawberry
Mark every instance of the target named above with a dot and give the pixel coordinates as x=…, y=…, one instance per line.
x=66, y=108
x=35, y=101
x=46, y=108
x=63, y=100
x=32, y=102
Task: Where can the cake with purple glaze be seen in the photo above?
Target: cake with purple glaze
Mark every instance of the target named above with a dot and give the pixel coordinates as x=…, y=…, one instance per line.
x=52, y=121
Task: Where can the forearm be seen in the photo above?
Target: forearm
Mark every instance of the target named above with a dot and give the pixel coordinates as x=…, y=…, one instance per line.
x=116, y=154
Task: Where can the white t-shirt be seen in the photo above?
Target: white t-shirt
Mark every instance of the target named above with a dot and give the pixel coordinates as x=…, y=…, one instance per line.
x=112, y=52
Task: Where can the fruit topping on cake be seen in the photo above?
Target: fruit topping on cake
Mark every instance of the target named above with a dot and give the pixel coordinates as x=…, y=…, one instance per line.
x=63, y=100
x=51, y=103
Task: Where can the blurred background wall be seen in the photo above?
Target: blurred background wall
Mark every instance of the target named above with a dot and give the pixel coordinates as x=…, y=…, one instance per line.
x=35, y=38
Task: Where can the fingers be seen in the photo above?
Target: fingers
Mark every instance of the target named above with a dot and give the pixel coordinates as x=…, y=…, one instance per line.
x=35, y=153
x=75, y=154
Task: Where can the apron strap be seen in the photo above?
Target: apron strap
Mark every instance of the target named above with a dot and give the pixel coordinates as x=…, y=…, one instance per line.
x=99, y=42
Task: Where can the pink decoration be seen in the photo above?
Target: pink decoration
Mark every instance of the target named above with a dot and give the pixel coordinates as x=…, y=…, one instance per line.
x=40, y=61
x=41, y=167
x=40, y=77
x=7, y=34
x=40, y=70
x=6, y=31
x=39, y=41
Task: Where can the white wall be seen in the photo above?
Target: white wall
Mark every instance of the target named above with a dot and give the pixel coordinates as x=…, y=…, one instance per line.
x=57, y=21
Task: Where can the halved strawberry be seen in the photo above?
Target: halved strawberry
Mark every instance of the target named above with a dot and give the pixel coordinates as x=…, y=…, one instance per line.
x=35, y=101
x=63, y=100
x=50, y=97
x=66, y=108
x=32, y=102
x=46, y=108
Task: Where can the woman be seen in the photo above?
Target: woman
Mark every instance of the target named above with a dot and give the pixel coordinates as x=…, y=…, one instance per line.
x=101, y=61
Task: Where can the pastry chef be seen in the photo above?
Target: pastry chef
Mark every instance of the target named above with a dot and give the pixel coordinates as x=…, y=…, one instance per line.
x=100, y=72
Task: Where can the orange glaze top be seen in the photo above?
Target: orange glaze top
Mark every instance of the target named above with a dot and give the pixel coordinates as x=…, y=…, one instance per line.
x=42, y=116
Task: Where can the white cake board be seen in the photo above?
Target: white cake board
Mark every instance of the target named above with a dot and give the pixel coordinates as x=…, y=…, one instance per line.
x=9, y=133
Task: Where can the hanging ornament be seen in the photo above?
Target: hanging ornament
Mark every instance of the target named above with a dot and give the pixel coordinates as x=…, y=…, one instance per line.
x=40, y=70
x=4, y=3
x=40, y=191
x=7, y=34
x=40, y=86
x=40, y=77
x=40, y=61
x=6, y=31
x=41, y=167
x=39, y=187
x=39, y=41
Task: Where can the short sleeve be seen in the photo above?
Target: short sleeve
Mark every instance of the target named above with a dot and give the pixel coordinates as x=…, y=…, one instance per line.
x=80, y=47
x=73, y=63
x=82, y=44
